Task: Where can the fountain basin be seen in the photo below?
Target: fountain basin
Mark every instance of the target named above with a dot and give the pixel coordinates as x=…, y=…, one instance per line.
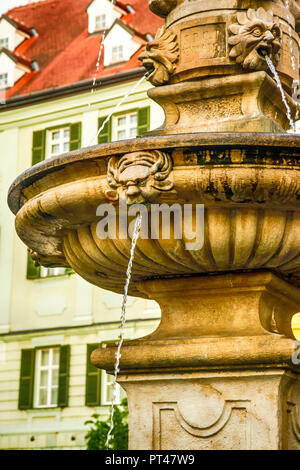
x=248, y=184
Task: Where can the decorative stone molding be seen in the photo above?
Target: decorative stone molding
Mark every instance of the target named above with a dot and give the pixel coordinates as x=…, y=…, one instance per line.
x=203, y=414
x=160, y=56
x=255, y=35
x=139, y=177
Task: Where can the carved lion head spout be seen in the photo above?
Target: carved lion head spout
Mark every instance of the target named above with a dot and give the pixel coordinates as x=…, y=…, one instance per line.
x=139, y=177
x=160, y=56
x=256, y=35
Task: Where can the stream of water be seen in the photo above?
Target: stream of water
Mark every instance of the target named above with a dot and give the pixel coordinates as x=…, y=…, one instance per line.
x=124, y=98
x=101, y=48
x=279, y=84
x=287, y=6
x=135, y=236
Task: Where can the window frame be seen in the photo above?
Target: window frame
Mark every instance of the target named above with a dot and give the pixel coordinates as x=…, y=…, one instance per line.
x=50, y=141
x=104, y=390
x=37, y=377
x=119, y=58
x=50, y=272
x=115, y=128
x=6, y=40
x=101, y=28
x=6, y=83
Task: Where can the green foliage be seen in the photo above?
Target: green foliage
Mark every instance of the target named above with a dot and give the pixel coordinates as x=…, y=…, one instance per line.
x=96, y=436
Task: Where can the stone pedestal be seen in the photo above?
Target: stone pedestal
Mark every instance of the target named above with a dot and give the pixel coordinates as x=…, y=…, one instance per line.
x=243, y=103
x=213, y=376
x=240, y=409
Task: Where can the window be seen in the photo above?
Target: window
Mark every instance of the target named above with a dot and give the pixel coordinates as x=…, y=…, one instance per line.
x=59, y=141
x=100, y=22
x=107, y=390
x=126, y=126
x=46, y=379
x=4, y=43
x=117, y=54
x=98, y=385
x=49, y=272
x=3, y=80
x=40, y=272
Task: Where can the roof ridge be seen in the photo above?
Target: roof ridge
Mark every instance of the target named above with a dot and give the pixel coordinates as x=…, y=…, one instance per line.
x=30, y=5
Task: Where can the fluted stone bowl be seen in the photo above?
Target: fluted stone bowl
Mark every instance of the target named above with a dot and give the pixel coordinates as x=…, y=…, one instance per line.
x=248, y=183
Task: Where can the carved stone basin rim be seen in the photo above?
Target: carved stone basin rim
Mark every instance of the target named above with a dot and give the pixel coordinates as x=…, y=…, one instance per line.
x=248, y=184
x=193, y=140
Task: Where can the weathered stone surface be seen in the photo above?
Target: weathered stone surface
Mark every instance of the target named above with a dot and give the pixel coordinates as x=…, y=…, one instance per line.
x=218, y=44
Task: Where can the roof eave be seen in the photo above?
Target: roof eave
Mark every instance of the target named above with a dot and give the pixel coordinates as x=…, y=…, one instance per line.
x=81, y=86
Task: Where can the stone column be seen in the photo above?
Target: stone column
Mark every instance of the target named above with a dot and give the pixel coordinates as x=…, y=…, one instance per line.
x=216, y=374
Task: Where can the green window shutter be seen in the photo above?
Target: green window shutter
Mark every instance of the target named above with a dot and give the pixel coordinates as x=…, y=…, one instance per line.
x=75, y=136
x=33, y=272
x=26, y=379
x=63, y=384
x=105, y=135
x=143, y=120
x=38, y=146
x=93, y=379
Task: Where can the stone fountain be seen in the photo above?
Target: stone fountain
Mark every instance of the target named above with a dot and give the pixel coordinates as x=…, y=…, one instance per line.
x=218, y=372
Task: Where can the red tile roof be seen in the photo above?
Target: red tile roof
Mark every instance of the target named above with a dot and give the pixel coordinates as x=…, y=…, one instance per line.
x=64, y=50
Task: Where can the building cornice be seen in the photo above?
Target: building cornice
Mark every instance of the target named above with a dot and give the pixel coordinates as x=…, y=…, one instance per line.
x=74, y=327
x=59, y=92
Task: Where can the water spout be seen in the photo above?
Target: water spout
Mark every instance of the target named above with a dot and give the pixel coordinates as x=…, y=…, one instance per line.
x=279, y=84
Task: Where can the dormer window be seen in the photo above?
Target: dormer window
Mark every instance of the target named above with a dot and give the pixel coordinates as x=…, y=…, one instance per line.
x=12, y=34
x=100, y=22
x=4, y=43
x=117, y=54
x=120, y=44
x=3, y=80
x=102, y=14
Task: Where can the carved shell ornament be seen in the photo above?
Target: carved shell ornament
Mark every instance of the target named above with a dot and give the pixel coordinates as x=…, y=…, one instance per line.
x=255, y=35
x=139, y=177
x=160, y=56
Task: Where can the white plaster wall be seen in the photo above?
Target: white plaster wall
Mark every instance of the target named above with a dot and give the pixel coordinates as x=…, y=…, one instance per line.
x=8, y=31
x=19, y=72
x=7, y=66
x=9, y=157
x=89, y=127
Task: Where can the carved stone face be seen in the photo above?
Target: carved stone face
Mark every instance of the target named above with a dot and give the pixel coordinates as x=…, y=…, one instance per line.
x=160, y=56
x=136, y=185
x=139, y=177
x=254, y=37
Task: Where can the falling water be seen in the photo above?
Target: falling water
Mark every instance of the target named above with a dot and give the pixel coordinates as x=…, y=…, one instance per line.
x=101, y=48
x=135, y=236
x=278, y=82
x=287, y=6
x=117, y=107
